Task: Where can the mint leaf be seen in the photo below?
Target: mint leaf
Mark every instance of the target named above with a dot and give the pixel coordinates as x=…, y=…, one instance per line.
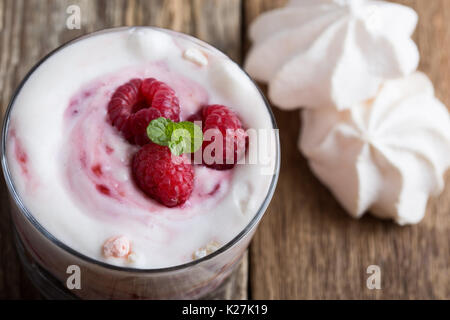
x=159, y=131
x=177, y=147
x=180, y=137
x=192, y=134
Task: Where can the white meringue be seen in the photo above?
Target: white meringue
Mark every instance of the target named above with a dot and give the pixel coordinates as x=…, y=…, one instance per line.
x=386, y=155
x=325, y=53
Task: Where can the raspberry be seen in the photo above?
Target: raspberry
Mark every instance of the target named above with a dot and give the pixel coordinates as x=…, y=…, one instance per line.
x=220, y=119
x=167, y=178
x=139, y=123
x=137, y=102
x=162, y=97
x=196, y=117
x=123, y=104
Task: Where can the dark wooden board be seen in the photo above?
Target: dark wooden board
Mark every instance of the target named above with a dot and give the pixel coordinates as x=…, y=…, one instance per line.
x=308, y=248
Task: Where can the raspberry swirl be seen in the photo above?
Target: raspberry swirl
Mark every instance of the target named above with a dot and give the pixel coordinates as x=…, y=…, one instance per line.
x=101, y=177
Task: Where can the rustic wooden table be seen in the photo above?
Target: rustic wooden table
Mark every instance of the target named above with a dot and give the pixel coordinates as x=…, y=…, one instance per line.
x=306, y=246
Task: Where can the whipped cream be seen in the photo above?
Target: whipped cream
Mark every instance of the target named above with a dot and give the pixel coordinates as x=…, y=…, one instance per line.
x=386, y=155
x=325, y=53
x=71, y=167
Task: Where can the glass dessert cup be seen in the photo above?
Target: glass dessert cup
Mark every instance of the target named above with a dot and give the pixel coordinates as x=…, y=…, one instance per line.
x=48, y=261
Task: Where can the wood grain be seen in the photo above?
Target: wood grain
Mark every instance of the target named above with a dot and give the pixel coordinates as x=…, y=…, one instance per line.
x=29, y=29
x=308, y=248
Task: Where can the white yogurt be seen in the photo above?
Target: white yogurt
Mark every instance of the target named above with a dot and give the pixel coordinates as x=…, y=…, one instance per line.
x=71, y=167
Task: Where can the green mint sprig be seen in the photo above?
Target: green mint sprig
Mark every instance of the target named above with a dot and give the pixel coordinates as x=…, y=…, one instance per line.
x=180, y=137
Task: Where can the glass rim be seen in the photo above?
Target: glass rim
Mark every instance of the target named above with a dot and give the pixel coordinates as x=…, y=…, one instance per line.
x=61, y=245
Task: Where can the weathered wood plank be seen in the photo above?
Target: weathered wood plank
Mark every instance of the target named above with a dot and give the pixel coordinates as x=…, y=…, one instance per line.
x=29, y=29
x=307, y=247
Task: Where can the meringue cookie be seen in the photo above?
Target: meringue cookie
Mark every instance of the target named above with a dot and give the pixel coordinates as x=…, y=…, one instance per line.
x=386, y=155
x=324, y=53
